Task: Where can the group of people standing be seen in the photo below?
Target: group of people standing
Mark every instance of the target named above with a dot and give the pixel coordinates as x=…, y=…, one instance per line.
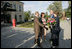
x=40, y=28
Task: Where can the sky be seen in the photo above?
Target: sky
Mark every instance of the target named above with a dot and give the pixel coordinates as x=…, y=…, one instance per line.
x=40, y=6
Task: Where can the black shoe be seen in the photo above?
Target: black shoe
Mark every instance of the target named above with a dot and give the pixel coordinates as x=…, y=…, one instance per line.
x=39, y=45
x=50, y=39
x=35, y=41
x=53, y=46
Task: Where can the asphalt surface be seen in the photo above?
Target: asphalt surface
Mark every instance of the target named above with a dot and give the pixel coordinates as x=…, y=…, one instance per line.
x=24, y=37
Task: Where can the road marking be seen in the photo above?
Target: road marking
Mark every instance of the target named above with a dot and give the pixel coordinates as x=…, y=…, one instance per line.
x=34, y=45
x=11, y=35
x=24, y=42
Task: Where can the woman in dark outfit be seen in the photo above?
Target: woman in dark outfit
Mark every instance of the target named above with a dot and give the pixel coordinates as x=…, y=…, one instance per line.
x=55, y=31
x=43, y=21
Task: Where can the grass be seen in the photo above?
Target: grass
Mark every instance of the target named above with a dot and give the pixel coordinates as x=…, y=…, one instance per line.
x=27, y=25
x=61, y=20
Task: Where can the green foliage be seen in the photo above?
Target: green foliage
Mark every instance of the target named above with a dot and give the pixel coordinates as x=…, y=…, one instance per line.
x=27, y=15
x=32, y=15
x=69, y=3
x=27, y=25
x=68, y=10
x=56, y=6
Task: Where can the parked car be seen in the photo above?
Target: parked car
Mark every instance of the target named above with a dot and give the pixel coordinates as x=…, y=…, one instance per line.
x=68, y=19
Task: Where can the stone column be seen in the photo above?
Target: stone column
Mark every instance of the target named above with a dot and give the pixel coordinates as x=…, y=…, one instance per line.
x=17, y=17
x=22, y=17
x=12, y=16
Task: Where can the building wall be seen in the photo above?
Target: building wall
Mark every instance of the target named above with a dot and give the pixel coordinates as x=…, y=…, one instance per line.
x=17, y=5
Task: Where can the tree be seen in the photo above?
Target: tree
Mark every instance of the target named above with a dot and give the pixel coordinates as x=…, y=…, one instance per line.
x=56, y=6
x=46, y=13
x=51, y=6
x=27, y=15
x=69, y=3
x=32, y=15
x=68, y=10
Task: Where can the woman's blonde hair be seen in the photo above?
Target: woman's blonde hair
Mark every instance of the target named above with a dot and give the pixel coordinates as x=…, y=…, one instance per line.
x=36, y=12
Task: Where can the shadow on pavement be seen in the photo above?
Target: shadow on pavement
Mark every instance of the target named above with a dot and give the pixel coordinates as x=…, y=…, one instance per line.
x=64, y=43
x=25, y=39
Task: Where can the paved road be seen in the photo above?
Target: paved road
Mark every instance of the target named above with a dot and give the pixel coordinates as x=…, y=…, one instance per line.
x=65, y=35
x=24, y=37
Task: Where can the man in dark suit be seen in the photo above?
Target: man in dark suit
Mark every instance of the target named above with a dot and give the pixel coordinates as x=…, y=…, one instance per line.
x=55, y=31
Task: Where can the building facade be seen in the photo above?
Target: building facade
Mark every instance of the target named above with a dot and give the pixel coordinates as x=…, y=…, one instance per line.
x=18, y=14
